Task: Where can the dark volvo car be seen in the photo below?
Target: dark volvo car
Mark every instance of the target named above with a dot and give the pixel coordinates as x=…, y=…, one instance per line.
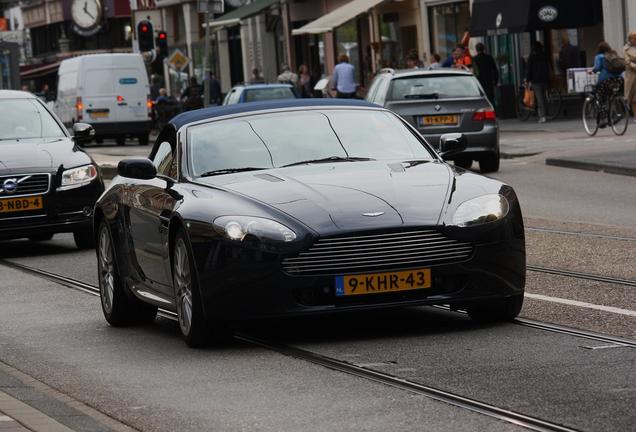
x=443, y=101
x=47, y=184
x=301, y=207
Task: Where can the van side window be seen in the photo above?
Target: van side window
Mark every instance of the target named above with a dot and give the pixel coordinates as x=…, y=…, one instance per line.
x=164, y=160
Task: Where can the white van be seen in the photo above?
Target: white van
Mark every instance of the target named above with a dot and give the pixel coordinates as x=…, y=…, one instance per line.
x=109, y=92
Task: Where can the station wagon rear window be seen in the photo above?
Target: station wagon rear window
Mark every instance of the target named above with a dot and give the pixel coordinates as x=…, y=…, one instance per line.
x=434, y=87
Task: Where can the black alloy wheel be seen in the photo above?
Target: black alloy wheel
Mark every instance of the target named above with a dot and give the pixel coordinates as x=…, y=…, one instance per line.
x=119, y=305
x=497, y=310
x=84, y=238
x=196, y=328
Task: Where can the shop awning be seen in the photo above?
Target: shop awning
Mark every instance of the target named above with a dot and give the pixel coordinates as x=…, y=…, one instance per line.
x=518, y=16
x=236, y=16
x=337, y=17
x=36, y=71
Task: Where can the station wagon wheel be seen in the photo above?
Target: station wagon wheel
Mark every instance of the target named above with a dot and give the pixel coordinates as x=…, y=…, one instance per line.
x=120, y=306
x=197, y=330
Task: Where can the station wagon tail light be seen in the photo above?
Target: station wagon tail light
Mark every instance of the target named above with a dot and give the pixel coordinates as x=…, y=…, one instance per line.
x=79, y=108
x=120, y=99
x=484, y=115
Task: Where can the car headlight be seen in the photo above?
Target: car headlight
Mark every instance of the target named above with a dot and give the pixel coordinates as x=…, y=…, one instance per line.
x=238, y=227
x=481, y=210
x=77, y=177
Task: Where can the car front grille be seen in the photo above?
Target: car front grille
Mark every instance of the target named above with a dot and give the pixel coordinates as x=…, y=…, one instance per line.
x=371, y=252
x=25, y=184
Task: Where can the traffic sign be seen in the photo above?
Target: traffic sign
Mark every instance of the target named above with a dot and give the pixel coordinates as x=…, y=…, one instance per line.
x=178, y=60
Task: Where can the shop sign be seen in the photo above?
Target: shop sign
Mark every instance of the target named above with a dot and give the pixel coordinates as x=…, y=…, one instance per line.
x=548, y=13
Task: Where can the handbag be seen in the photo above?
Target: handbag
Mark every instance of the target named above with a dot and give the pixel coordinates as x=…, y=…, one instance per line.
x=528, y=97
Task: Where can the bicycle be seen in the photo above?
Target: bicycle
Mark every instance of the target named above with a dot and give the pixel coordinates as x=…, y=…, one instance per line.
x=616, y=115
x=552, y=109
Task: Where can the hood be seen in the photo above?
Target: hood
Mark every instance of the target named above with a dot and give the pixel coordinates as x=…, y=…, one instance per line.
x=44, y=154
x=348, y=196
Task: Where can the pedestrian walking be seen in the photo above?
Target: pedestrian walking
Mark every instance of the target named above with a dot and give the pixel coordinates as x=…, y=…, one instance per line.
x=486, y=71
x=607, y=77
x=192, y=95
x=343, y=78
x=569, y=56
x=436, y=62
x=412, y=60
x=462, y=58
x=538, y=75
x=304, y=81
x=630, y=71
x=287, y=76
x=216, y=95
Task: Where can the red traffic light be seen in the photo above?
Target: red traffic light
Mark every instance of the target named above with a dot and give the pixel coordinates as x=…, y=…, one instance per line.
x=162, y=35
x=144, y=28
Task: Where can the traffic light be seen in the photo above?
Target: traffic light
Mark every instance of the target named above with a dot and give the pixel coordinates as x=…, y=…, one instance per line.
x=145, y=36
x=162, y=44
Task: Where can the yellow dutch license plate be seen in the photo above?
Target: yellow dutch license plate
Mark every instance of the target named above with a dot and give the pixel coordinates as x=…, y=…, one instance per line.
x=20, y=204
x=98, y=114
x=439, y=120
x=377, y=283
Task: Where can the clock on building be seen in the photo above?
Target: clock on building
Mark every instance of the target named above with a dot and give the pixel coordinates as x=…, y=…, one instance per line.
x=87, y=15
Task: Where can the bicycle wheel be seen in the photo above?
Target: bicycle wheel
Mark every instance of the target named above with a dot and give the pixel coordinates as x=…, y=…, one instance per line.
x=591, y=114
x=523, y=112
x=618, y=114
x=554, y=101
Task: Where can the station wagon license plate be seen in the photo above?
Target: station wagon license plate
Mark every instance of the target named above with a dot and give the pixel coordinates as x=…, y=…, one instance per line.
x=98, y=114
x=20, y=204
x=377, y=283
x=439, y=120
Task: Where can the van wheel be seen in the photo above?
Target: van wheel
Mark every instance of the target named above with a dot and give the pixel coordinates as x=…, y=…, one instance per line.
x=120, y=140
x=143, y=139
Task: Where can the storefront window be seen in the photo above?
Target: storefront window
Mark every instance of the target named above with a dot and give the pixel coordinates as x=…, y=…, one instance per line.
x=447, y=24
x=391, y=46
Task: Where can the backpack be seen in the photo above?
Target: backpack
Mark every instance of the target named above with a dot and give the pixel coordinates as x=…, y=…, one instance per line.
x=613, y=63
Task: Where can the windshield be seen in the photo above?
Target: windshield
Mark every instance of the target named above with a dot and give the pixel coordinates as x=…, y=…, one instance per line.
x=26, y=118
x=275, y=140
x=253, y=95
x=435, y=87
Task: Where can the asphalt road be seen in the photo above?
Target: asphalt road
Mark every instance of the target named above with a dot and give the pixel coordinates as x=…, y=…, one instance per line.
x=147, y=378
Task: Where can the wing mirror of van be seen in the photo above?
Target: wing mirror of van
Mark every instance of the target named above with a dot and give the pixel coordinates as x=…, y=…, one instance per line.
x=138, y=168
x=451, y=144
x=83, y=132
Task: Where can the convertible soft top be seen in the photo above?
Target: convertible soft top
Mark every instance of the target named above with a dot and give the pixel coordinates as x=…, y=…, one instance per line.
x=218, y=111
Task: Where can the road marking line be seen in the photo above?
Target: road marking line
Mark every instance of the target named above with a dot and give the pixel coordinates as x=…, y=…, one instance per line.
x=582, y=304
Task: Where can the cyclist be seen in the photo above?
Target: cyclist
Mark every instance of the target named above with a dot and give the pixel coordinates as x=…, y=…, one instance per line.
x=607, y=79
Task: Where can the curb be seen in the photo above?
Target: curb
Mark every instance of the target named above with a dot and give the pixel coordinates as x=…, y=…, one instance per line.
x=591, y=166
x=108, y=171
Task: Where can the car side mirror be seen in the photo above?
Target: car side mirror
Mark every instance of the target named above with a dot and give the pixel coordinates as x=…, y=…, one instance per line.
x=452, y=143
x=140, y=168
x=83, y=132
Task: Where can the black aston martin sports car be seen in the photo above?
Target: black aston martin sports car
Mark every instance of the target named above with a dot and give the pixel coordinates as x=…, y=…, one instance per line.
x=48, y=185
x=302, y=207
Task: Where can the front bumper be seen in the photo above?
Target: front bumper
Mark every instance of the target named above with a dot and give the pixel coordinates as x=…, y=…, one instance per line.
x=238, y=283
x=63, y=211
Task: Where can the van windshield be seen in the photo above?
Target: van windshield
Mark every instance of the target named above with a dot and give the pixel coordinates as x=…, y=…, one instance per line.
x=26, y=118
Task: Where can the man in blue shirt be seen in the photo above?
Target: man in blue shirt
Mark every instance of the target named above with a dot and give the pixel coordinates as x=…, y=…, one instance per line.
x=343, y=78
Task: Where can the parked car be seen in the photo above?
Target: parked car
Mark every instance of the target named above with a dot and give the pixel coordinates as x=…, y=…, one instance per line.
x=108, y=91
x=298, y=207
x=443, y=101
x=258, y=92
x=47, y=184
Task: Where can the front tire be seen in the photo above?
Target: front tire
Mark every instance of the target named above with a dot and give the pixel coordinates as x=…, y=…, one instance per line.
x=498, y=310
x=619, y=117
x=143, y=139
x=197, y=330
x=489, y=163
x=84, y=238
x=120, y=140
x=591, y=114
x=120, y=307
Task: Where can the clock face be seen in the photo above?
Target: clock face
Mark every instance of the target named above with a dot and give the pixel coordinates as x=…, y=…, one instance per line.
x=86, y=13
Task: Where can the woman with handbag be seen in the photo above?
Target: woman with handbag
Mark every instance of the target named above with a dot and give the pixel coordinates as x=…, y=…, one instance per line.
x=538, y=75
x=630, y=71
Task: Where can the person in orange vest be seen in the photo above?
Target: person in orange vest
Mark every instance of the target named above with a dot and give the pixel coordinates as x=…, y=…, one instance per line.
x=462, y=58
